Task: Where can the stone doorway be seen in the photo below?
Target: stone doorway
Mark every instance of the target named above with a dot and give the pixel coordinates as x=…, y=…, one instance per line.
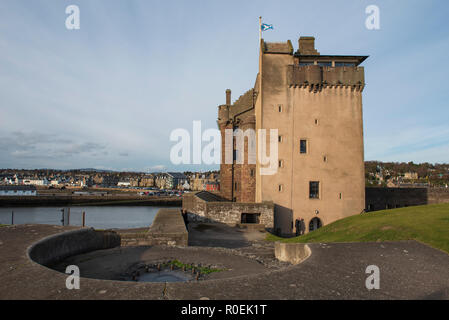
x=253, y=218
x=314, y=224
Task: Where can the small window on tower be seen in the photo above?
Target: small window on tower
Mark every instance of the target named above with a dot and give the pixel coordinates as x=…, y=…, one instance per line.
x=281, y=187
x=316, y=121
x=280, y=108
x=252, y=172
x=280, y=138
x=281, y=163
x=303, y=146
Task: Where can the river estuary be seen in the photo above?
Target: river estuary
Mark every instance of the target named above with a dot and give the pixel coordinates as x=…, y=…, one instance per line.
x=100, y=217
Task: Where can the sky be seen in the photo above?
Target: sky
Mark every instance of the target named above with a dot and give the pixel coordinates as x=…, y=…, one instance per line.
x=108, y=95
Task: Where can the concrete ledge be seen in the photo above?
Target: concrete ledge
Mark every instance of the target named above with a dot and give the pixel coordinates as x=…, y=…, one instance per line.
x=57, y=247
x=168, y=229
x=291, y=252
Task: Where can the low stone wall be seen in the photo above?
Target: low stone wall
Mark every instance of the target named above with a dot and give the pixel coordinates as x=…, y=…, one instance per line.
x=134, y=239
x=389, y=198
x=168, y=229
x=225, y=211
x=55, y=248
x=293, y=253
x=438, y=195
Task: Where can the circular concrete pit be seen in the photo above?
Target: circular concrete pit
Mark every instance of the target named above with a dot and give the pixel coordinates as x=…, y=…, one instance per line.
x=161, y=264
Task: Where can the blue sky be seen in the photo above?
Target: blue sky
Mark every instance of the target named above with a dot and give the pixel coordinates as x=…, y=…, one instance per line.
x=108, y=95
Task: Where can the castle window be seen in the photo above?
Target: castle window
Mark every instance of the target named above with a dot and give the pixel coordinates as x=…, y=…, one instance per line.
x=280, y=138
x=252, y=172
x=325, y=158
x=314, y=189
x=280, y=108
x=325, y=64
x=281, y=187
x=316, y=121
x=235, y=186
x=303, y=146
x=281, y=163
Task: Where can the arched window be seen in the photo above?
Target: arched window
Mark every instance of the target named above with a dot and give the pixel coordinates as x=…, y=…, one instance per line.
x=314, y=224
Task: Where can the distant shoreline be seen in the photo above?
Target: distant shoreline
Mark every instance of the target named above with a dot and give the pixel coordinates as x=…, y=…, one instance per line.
x=57, y=201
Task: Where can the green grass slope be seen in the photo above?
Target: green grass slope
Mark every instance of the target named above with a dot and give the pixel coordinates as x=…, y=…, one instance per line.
x=428, y=224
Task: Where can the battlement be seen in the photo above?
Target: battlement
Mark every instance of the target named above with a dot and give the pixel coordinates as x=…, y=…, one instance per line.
x=316, y=76
x=245, y=102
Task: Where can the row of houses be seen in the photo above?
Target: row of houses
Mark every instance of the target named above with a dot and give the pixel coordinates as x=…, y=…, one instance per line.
x=23, y=190
x=167, y=181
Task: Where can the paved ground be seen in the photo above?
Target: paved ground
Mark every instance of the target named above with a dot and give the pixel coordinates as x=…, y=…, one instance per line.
x=408, y=270
x=222, y=235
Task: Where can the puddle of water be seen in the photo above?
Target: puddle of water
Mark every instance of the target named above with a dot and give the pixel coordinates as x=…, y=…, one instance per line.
x=165, y=276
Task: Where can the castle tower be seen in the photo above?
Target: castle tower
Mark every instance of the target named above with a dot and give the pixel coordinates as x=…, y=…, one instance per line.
x=237, y=180
x=315, y=103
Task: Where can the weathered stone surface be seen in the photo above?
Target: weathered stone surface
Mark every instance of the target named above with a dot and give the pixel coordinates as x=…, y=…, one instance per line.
x=333, y=271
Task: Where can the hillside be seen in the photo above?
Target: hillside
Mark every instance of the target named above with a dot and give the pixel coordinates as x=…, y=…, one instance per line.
x=428, y=224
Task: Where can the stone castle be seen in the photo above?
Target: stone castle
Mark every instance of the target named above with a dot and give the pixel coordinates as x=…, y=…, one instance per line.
x=315, y=103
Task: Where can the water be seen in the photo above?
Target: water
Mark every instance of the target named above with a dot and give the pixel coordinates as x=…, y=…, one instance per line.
x=100, y=217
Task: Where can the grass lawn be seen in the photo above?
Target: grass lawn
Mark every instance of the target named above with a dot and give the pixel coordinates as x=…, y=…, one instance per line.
x=428, y=224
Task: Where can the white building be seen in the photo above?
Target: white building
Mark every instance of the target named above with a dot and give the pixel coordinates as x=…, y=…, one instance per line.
x=18, y=191
x=35, y=182
x=124, y=184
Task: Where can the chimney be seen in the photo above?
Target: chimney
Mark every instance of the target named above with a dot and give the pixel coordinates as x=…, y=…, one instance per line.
x=307, y=46
x=228, y=97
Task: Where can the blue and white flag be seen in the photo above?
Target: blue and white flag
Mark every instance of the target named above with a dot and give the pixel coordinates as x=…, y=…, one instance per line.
x=265, y=27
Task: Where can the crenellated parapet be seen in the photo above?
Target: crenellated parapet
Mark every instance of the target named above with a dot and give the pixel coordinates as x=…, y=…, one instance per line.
x=316, y=77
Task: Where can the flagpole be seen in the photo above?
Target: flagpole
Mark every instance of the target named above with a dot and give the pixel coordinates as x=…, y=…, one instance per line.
x=260, y=29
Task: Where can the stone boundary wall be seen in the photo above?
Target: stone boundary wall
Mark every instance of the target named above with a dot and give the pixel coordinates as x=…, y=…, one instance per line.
x=58, y=247
x=225, y=211
x=389, y=198
x=438, y=195
x=168, y=228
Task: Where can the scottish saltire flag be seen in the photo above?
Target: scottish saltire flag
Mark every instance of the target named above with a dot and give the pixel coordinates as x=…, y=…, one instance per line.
x=265, y=27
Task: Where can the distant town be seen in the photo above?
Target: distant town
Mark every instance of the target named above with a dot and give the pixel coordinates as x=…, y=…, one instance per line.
x=395, y=174
x=377, y=174
x=146, y=183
